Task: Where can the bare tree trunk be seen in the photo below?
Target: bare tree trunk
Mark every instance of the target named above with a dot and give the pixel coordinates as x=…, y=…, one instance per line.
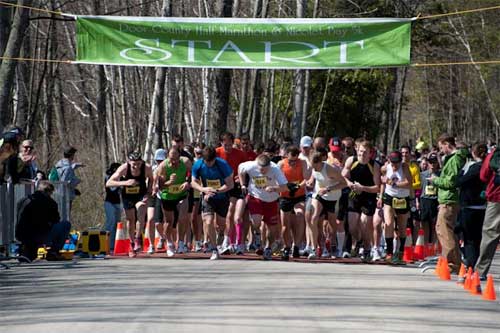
x=398, y=105
x=428, y=106
x=5, y=23
x=169, y=106
x=12, y=49
x=222, y=79
x=243, y=102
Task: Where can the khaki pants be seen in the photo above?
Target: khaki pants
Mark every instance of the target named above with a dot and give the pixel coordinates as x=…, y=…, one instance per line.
x=489, y=240
x=444, y=229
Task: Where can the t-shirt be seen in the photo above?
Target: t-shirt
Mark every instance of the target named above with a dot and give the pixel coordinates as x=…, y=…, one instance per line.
x=234, y=158
x=250, y=155
x=258, y=181
x=212, y=176
x=429, y=191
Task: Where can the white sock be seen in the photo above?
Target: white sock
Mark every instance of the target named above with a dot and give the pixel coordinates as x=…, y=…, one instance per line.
x=225, y=243
x=340, y=241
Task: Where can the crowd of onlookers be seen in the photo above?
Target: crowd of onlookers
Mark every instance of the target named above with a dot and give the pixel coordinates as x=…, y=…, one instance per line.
x=38, y=222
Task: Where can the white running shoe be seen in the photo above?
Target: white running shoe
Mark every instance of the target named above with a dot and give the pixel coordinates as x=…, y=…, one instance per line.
x=346, y=254
x=215, y=255
x=325, y=253
x=376, y=255
x=151, y=249
x=198, y=247
x=181, y=248
x=311, y=255
x=170, y=250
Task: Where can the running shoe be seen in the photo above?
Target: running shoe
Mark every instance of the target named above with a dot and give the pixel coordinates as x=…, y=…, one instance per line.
x=170, y=250
x=325, y=253
x=215, y=255
x=181, y=247
x=137, y=245
x=295, y=252
x=132, y=254
x=198, y=247
x=285, y=254
x=240, y=249
x=268, y=254
x=151, y=249
x=232, y=248
x=346, y=255
x=375, y=255
x=225, y=250
x=161, y=244
x=312, y=255
x=257, y=240
x=259, y=252
x=306, y=251
x=389, y=258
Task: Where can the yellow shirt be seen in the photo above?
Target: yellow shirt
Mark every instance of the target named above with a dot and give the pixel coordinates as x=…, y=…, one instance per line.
x=415, y=176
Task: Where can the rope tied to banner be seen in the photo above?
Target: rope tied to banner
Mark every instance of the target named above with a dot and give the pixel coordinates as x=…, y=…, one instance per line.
x=36, y=9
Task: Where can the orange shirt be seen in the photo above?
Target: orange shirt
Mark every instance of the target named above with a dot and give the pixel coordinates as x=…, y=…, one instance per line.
x=234, y=158
x=293, y=175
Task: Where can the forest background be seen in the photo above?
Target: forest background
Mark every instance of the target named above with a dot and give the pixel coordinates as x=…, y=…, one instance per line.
x=106, y=111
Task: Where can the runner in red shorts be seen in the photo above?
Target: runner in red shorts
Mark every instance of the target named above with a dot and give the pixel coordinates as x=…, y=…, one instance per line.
x=266, y=180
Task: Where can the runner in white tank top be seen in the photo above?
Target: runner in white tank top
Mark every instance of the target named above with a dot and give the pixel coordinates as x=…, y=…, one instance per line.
x=395, y=197
x=328, y=183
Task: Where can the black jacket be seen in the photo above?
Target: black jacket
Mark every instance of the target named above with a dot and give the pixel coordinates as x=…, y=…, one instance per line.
x=471, y=186
x=38, y=217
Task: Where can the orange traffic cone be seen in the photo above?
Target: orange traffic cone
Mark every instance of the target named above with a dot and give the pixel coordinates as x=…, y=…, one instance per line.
x=122, y=244
x=145, y=239
x=461, y=274
x=476, y=285
x=468, y=279
x=419, y=253
x=408, y=250
x=489, y=292
x=445, y=270
x=437, y=272
x=157, y=240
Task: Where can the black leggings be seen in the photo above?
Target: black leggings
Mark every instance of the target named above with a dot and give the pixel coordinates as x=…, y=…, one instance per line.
x=471, y=221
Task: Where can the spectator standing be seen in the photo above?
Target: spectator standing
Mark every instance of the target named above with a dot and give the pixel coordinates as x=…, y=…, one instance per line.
x=490, y=174
x=28, y=157
x=66, y=172
x=112, y=206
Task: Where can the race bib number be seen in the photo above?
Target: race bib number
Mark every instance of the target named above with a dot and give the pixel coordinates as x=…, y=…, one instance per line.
x=430, y=190
x=260, y=182
x=174, y=189
x=399, y=203
x=132, y=189
x=214, y=183
x=196, y=194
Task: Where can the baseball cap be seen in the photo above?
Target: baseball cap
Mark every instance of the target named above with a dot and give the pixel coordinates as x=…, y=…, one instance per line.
x=335, y=144
x=306, y=141
x=9, y=137
x=160, y=154
x=134, y=156
x=395, y=156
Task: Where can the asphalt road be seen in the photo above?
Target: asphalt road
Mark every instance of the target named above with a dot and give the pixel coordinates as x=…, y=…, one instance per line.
x=158, y=295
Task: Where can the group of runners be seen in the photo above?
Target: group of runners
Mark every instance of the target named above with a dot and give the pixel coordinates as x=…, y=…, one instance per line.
x=331, y=200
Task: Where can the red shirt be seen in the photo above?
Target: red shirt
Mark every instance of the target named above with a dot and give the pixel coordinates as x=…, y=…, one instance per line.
x=488, y=176
x=250, y=155
x=234, y=158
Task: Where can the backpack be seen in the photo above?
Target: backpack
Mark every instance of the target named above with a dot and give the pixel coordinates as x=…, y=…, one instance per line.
x=495, y=165
x=22, y=227
x=53, y=175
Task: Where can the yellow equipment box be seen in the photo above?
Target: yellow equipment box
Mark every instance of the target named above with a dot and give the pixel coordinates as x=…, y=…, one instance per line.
x=94, y=242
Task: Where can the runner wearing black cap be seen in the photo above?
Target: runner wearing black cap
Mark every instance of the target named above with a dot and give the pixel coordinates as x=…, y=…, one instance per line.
x=136, y=179
x=395, y=197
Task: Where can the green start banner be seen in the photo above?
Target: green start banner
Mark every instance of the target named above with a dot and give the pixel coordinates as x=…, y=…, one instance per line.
x=243, y=43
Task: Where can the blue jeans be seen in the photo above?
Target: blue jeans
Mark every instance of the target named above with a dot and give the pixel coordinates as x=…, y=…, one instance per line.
x=113, y=216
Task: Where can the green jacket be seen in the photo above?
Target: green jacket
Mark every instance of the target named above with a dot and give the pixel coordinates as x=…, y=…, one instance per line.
x=447, y=181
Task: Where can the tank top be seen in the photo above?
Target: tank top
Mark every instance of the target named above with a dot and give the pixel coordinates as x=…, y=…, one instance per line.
x=293, y=175
x=136, y=192
x=362, y=173
x=395, y=191
x=173, y=191
x=323, y=181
